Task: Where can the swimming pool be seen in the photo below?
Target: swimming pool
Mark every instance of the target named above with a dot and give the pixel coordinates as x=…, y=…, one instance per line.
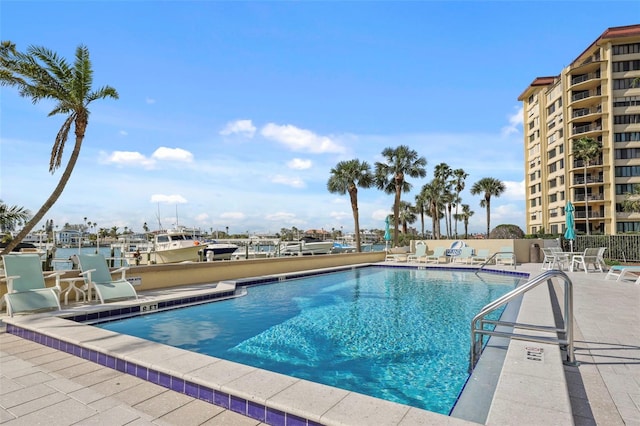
x=401, y=334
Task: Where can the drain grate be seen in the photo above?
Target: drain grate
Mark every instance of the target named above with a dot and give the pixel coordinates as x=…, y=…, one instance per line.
x=534, y=354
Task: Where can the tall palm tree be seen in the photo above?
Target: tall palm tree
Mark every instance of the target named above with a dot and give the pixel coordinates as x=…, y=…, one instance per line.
x=443, y=173
x=390, y=176
x=587, y=150
x=346, y=177
x=40, y=73
x=490, y=187
x=459, y=177
x=464, y=217
x=10, y=216
x=432, y=194
x=407, y=215
x=421, y=208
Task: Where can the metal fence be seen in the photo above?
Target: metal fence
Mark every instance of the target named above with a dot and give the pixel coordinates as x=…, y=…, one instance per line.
x=624, y=248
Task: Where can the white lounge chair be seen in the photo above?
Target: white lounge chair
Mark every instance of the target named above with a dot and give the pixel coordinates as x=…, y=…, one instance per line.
x=438, y=253
x=506, y=256
x=421, y=251
x=465, y=256
x=481, y=256
x=98, y=278
x=26, y=288
x=622, y=272
x=591, y=256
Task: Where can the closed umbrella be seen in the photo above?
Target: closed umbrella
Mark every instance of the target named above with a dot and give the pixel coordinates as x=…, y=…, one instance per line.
x=570, y=233
x=387, y=233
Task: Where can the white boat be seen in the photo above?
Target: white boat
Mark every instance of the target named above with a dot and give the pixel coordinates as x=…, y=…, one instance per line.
x=172, y=246
x=305, y=246
x=342, y=248
x=218, y=251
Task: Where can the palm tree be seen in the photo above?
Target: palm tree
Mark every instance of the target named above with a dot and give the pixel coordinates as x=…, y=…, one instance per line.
x=459, y=177
x=443, y=172
x=346, y=177
x=490, y=187
x=587, y=150
x=407, y=215
x=10, y=216
x=464, y=217
x=390, y=176
x=432, y=194
x=39, y=74
x=421, y=208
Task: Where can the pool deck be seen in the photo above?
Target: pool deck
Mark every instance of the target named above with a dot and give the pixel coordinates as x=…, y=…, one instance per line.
x=42, y=385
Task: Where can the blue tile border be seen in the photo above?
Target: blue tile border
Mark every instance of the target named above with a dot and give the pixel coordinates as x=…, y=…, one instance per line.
x=234, y=403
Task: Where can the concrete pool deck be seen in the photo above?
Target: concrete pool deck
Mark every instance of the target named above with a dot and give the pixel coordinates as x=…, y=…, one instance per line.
x=42, y=384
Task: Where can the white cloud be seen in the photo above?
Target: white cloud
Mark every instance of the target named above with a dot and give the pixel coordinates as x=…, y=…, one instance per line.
x=299, y=164
x=123, y=133
x=280, y=217
x=242, y=127
x=380, y=215
x=343, y=215
x=150, y=101
x=172, y=154
x=300, y=139
x=515, y=190
x=294, y=182
x=169, y=199
x=127, y=158
x=515, y=122
x=202, y=217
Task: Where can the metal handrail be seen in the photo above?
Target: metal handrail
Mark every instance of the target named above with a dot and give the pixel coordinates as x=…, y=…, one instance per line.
x=493, y=256
x=478, y=322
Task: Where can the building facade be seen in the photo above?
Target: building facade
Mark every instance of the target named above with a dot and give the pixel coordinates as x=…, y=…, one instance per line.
x=598, y=97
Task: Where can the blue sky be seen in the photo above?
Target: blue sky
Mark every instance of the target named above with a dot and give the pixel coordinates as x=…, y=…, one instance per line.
x=232, y=114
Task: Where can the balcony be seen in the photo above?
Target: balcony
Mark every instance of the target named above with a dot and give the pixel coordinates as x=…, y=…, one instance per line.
x=579, y=130
x=579, y=180
x=592, y=215
x=583, y=112
x=585, y=98
x=592, y=197
x=580, y=163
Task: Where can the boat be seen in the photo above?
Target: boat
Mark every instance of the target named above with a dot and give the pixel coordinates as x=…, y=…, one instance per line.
x=170, y=246
x=342, y=248
x=214, y=250
x=305, y=246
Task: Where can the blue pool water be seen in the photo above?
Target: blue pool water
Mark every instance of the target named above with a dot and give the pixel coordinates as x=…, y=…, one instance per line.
x=392, y=333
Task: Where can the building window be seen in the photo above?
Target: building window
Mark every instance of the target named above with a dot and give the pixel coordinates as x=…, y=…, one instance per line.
x=554, y=229
x=626, y=137
x=627, y=171
x=626, y=119
x=623, y=66
x=553, y=198
x=627, y=153
x=624, y=188
x=620, y=83
x=626, y=101
x=628, y=227
x=626, y=49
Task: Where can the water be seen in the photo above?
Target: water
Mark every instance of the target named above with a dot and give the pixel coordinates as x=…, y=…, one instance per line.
x=397, y=334
x=61, y=260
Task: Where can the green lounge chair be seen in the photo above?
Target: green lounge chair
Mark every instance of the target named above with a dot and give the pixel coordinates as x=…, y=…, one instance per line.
x=506, y=256
x=26, y=288
x=98, y=278
x=465, y=256
x=438, y=253
x=481, y=256
x=421, y=251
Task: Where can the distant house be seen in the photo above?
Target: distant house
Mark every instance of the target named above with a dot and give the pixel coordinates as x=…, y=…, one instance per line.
x=69, y=237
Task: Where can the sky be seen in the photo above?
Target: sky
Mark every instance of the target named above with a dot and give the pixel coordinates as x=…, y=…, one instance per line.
x=232, y=114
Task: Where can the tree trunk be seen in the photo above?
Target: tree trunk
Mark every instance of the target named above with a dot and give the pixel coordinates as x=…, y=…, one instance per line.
x=488, y=217
x=353, y=195
x=586, y=198
x=54, y=195
x=396, y=213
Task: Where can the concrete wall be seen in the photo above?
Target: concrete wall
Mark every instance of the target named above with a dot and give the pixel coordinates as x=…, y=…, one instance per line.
x=174, y=275
x=520, y=247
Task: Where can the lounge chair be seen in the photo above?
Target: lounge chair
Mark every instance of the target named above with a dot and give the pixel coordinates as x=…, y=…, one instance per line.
x=26, y=288
x=438, y=253
x=622, y=272
x=465, y=256
x=506, y=256
x=98, y=279
x=421, y=251
x=591, y=256
x=481, y=256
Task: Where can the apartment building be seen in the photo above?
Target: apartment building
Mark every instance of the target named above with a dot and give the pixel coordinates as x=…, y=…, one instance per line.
x=596, y=96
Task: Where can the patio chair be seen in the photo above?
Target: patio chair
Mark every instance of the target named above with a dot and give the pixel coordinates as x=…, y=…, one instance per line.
x=421, y=251
x=506, y=256
x=623, y=272
x=591, y=256
x=438, y=253
x=481, y=256
x=99, y=279
x=26, y=288
x=465, y=256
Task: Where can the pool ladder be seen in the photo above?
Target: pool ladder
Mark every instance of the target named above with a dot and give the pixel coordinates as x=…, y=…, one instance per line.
x=477, y=324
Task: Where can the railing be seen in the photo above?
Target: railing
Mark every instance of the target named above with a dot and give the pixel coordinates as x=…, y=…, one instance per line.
x=580, y=180
x=586, y=128
x=477, y=324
